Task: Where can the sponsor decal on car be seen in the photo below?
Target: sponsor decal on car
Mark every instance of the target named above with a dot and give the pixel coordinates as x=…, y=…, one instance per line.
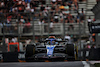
x=50, y=49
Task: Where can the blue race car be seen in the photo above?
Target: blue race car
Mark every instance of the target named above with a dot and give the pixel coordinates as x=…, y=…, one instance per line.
x=50, y=49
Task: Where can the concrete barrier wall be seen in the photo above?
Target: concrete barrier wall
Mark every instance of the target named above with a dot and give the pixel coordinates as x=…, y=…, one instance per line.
x=94, y=54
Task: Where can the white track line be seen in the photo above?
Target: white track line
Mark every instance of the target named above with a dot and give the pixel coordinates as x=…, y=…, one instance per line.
x=85, y=64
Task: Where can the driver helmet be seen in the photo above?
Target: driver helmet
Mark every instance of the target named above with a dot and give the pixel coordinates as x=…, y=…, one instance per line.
x=52, y=37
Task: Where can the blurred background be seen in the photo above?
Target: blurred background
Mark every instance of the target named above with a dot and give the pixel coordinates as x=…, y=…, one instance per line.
x=30, y=21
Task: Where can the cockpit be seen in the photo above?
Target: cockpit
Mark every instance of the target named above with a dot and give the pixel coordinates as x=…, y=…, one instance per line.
x=51, y=41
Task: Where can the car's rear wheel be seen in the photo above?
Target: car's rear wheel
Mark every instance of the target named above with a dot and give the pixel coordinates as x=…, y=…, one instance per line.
x=30, y=51
x=70, y=51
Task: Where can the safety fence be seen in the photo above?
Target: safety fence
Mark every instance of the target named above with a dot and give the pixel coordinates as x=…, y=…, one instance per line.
x=57, y=28
x=89, y=54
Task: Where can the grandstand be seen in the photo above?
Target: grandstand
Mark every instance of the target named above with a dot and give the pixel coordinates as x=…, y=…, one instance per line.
x=40, y=18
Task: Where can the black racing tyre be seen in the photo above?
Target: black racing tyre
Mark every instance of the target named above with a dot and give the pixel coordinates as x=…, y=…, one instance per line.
x=70, y=51
x=30, y=51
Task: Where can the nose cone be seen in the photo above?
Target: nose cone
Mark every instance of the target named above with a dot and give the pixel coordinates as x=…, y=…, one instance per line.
x=50, y=49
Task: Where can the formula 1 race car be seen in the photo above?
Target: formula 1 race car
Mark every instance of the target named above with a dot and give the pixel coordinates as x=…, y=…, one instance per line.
x=50, y=49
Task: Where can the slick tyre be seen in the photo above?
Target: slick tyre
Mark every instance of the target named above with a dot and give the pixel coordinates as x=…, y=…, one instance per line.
x=30, y=51
x=70, y=51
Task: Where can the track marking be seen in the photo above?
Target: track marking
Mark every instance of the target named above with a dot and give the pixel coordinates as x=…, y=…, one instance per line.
x=85, y=64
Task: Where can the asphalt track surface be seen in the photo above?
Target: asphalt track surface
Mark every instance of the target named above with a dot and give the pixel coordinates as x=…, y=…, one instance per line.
x=43, y=64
